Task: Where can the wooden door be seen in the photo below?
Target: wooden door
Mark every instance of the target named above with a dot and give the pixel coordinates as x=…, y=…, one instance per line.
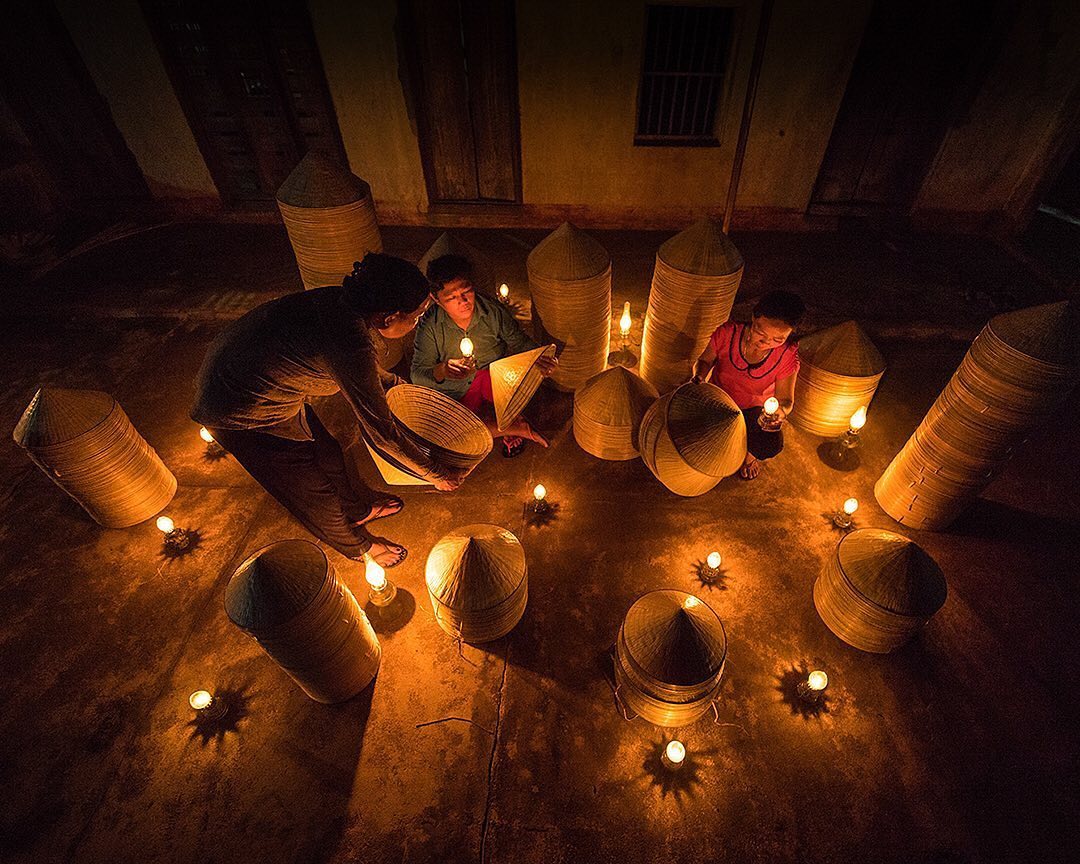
x=249, y=77
x=462, y=61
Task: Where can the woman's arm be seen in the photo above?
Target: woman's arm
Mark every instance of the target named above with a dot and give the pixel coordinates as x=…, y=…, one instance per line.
x=785, y=392
x=705, y=363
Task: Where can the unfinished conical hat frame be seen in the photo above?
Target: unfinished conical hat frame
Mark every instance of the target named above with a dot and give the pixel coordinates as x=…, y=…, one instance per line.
x=477, y=581
x=840, y=372
x=330, y=217
x=1017, y=373
x=570, y=280
x=608, y=411
x=669, y=657
x=878, y=590
x=692, y=438
x=514, y=381
x=288, y=597
x=85, y=444
x=483, y=276
x=695, y=279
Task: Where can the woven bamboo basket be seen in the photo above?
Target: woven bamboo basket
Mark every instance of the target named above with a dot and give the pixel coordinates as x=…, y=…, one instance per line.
x=669, y=657
x=288, y=597
x=514, y=381
x=878, y=590
x=608, y=411
x=570, y=279
x=483, y=277
x=692, y=438
x=1015, y=375
x=330, y=217
x=695, y=278
x=85, y=444
x=478, y=582
x=840, y=372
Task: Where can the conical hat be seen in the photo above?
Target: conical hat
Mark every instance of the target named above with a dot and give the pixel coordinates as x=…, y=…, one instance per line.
x=1048, y=333
x=568, y=254
x=675, y=638
x=275, y=584
x=703, y=249
x=319, y=181
x=707, y=428
x=892, y=571
x=475, y=567
x=56, y=415
x=483, y=277
x=390, y=473
x=514, y=381
x=615, y=397
x=843, y=350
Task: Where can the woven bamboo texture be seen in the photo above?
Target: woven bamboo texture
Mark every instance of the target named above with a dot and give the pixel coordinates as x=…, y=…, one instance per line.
x=483, y=277
x=570, y=280
x=695, y=279
x=478, y=582
x=1015, y=375
x=840, y=372
x=514, y=381
x=288, y=597
x=692, y=438
x=330, y=218
x=878, y=590
x=669, y=657
x=608, y=411
x=85, y=444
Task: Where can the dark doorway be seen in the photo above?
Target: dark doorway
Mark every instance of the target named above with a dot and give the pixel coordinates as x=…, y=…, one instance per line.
x=918, y=69
x=249, y=77
x=462, y=70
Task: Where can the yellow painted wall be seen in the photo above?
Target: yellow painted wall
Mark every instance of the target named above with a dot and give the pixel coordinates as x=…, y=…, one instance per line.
x=119, y=52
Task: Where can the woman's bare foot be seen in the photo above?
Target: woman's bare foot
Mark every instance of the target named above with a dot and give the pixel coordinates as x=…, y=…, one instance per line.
x=522, y=429
x=387, y=555
x=381, y=508
x=751, y=467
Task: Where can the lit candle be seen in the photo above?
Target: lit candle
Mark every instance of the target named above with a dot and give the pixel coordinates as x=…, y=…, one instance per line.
x=466, y=347
x=843, y=519
x=812, y=689
x=714, y=560
x=165, y=525
x=625, y=321
x=204, y=433
x=674, y=755
x=200, y=700
x=504, y=292
x=206, y=707
x=374, y=575
x=177, y=540
x=850, y=506
x=772, y=405
x=858, y=419
x=539, y=492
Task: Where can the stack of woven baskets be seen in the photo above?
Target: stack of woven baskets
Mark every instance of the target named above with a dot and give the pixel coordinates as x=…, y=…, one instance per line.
x=330, y=217
x=288, y=597
x=1015, y=375
x=608, y=411
x=840, y=372
x=695, y=278
x=478, y=582
x=669, y=657
x=84, y=442
x=878, y=590
x=570, y=278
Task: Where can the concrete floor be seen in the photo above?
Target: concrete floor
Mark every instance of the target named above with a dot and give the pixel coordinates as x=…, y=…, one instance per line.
x=961, y=747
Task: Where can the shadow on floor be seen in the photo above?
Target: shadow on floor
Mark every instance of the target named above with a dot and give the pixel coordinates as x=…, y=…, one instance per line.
x=987, y=519
x=681, y=782
x=788, y=686
x=389, y=619
x=236, y=698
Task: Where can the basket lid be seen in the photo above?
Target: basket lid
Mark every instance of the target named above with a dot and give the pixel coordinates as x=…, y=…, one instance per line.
x=319, y=181
x=275, y=584
x=703, y=249
x=475, y=567
x=892, y=571
x=568, y=254
x=675, y=637
x=483, y=276
x=56, y=415
x=844, y=349
x=615, y=397
x=1050, y=333
x=514, y=381
x=706, y=427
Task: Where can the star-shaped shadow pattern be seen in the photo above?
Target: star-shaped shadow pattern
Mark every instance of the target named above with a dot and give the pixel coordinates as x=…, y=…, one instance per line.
x=681, y=782
x=207, y=729
x=703, y=573
x=788, y=685
x=539, y=518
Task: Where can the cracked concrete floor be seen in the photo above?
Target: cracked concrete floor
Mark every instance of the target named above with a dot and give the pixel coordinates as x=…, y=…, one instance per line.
x=958, y=748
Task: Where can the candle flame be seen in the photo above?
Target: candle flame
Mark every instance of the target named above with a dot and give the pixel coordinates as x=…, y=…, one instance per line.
x=204, y=433
x=466, y=347
x=625, y=321
x=851, y=505
x=539, y=493
x=858, y=419
x=772, y=405
x=200, y=699
x=165, y=524
x=817, y=680
x=676, y=752
x=504, y=290
x=374, y=574
x=714, y=560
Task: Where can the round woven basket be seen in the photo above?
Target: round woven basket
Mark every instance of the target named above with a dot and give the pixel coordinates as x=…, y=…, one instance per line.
x=840, y=372
x=478, y=582
x=696, y=276
x=514, y=381
x=448, y=432
x=1015, y=375
x=608, y=411
x=84, y=442
x=483, y=276
x=288, y=597
x=570, y=279
x=330, y=217
x=878, y=590
x=669, y=657
x=692, y=438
